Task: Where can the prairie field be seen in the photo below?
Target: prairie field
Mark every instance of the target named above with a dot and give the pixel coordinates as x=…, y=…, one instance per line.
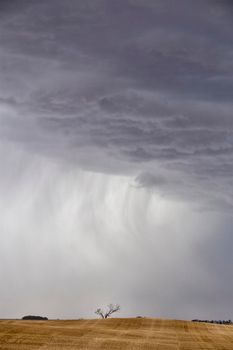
x=114, y=334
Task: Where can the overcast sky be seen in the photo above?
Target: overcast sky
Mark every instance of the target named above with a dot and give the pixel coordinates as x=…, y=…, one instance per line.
x=116, y=157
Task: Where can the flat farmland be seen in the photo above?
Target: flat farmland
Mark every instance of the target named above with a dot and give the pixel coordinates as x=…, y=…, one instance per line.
x=114, y=334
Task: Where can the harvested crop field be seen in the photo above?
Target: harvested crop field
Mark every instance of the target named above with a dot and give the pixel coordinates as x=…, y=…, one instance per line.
x=127, y=334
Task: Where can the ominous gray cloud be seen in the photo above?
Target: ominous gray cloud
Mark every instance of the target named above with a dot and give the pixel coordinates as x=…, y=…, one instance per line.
x=116, y=151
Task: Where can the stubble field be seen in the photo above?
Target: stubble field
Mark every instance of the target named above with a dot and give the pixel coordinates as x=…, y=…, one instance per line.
x=127, y=334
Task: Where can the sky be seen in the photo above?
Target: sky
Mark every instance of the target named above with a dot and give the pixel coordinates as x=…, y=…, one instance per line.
x=116, y=158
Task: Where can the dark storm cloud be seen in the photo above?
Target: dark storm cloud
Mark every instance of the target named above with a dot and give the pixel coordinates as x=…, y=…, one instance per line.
x=140, y=82
x=97, y=88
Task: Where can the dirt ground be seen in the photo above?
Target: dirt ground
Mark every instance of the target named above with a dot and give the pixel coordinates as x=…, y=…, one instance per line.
x=127, y=334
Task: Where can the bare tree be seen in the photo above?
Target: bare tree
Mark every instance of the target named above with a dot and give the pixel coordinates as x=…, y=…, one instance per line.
x=111, y=309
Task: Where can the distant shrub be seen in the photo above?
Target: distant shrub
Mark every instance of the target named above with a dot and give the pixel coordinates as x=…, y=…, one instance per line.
x=214, y=321
x=35, y=318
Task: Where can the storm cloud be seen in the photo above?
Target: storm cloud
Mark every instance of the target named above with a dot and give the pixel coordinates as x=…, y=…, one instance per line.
x=116, y=154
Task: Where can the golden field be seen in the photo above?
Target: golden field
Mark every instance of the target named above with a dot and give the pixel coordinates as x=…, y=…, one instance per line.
x=114, y=334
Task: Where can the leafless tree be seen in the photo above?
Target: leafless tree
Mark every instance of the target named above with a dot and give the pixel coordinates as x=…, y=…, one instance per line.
x=111, y=309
